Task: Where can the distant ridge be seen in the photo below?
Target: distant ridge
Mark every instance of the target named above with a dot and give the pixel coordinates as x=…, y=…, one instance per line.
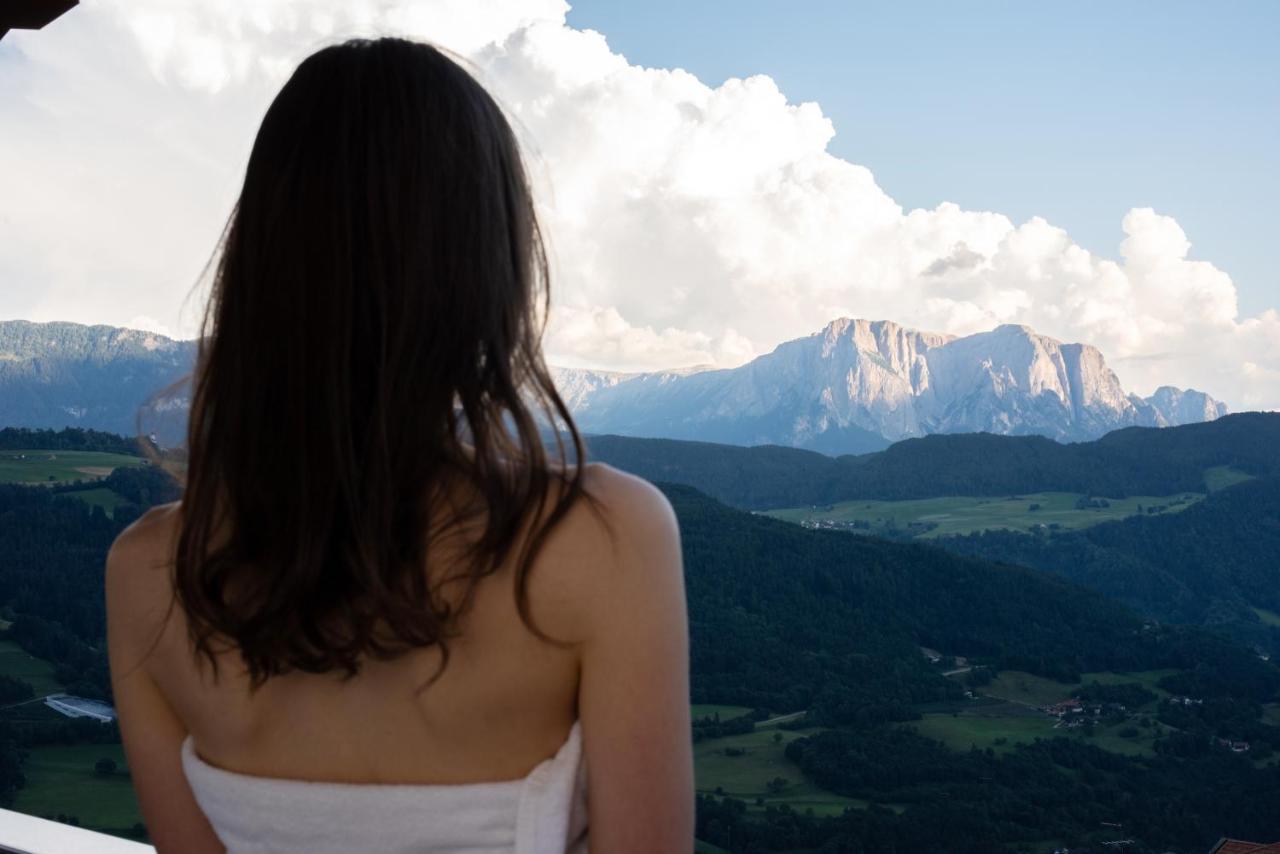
x=859, y=385
x=70, y=375
x=1132, y=461
x=855, y=386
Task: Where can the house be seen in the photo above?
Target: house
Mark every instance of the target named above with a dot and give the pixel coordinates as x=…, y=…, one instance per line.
x=1066, y=707
x=1239, y=846
x=80, y=707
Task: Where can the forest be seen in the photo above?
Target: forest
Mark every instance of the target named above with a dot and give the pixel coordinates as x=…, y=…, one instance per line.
x=1211, y=565
x=1133, y=461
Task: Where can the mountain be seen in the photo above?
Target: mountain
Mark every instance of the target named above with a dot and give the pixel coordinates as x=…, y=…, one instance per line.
x=859, y=385
x=854, y=387
x=67, y=374
x=1132, y=461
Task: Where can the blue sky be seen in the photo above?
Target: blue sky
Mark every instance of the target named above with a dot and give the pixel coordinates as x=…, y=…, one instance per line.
x=1076, y=114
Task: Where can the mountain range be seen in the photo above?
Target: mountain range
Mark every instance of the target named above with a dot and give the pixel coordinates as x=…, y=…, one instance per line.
x=67, y=374
x=855, y=386
x=859, y=385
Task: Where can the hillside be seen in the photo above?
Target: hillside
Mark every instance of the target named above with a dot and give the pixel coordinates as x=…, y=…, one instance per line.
x=789, y=618
x=1213, y=564
x=58, y=374
x=1133, y=461
x=783, y=617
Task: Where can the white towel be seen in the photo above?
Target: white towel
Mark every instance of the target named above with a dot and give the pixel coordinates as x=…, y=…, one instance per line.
x=543, y=813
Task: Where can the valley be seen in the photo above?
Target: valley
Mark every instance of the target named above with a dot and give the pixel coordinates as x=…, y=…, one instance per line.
x=36, y=466
x=819, y=721
x=940, y=517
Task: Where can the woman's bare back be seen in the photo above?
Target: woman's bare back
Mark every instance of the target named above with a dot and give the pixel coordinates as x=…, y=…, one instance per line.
x=504, y=702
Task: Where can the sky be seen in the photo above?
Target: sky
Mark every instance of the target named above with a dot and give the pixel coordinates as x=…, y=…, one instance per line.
x=1020, y=107
x=716, y=178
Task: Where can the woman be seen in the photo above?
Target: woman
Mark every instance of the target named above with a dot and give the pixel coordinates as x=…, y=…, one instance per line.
x=382, y=617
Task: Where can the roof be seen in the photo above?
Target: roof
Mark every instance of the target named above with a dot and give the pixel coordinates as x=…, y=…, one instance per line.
x=31, y=14
x=1239, y=846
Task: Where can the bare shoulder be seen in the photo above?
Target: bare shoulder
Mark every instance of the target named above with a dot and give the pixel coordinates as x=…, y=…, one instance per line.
x=621, y=520
x=630, y=543
x=631, y=505
x=148, y=540
x=618, y=542
x=137, y=569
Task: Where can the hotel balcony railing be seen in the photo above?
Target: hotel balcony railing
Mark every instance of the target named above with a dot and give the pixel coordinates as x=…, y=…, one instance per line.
x=26, y=834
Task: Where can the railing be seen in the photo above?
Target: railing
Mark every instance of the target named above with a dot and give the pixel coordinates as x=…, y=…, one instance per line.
x=26, y=834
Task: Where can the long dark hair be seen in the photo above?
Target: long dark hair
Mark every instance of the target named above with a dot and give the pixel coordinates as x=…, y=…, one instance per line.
x=373, y=334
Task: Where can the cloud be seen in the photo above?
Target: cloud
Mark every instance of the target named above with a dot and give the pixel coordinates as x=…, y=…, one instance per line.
x=961, y=258
x=688, y=223
x=147, y=324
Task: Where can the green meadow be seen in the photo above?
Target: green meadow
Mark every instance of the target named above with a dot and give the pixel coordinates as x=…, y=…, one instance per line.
x=743, y=766
x=20, y=664
x=1220, y=477
x=969, y=514
x=99, y=496
x=57, y=466
x=1015, y=686
x=705, y=710
x=61, y=780
x=1017, y=719
x=1269, y=618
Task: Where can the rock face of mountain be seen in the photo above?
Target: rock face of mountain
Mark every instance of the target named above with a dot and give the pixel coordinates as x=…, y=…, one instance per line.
x=66, y=374
x=859, y=385
x=855, y=386
x=1170, y=406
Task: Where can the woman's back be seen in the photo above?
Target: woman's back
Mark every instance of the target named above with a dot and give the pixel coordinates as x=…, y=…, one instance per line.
x=508, y=703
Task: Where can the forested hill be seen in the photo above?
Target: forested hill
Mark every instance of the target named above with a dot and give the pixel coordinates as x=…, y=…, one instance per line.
x=790, y=618
x=66, y=439
x=1211, y=564
x=1133, y=461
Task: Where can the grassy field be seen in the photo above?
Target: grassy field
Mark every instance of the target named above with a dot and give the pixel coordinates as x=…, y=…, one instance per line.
x=52, y=466
x=986, y=727
x=1269, y=618
x=1146, y=678
x=1220, y=477
x=1001, y=726
x=746, y=775
x=706, y=710
x=61, y=779
x=100, y=496
x=1029, y=689
x=18, y=663
x=965, y=515
x=1026, y=689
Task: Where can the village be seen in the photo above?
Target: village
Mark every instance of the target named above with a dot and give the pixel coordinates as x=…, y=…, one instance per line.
x=1075, y=713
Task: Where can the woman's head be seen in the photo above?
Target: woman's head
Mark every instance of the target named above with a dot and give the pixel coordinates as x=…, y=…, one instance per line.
x=373, y=333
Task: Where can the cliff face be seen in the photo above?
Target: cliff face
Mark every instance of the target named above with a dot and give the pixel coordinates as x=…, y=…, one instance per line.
x=858, y=385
